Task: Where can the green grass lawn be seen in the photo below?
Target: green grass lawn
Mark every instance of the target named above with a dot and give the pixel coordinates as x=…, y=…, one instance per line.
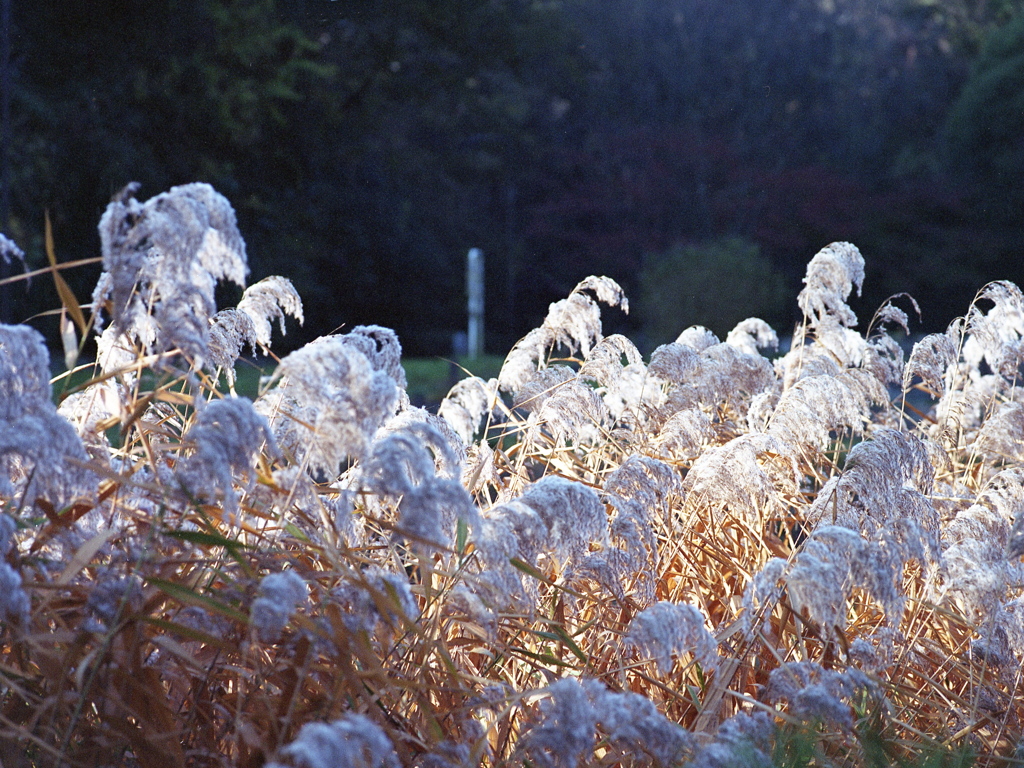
x=430, y=378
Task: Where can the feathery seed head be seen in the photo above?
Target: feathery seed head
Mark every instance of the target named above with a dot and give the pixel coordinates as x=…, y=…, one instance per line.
x=572, y=512
x=573, y=322
x=400, y=465
x=634, y=725
x=227, y=435
x=163, y=258
x=816, y=694
x=674, y=362
x=666, y=629
x=280, y=594
x=15, y=604
x=41, y=455
x=748, y=476
x=815, y=406
x=604, y=363
x=375, y=595
x=742, y=741
x=381, y=347
x=763, y=592
x=353, y=741
x=468, y=403
x=822, y=575
x=996, y=336
x=831, y=276
x=114, y=596
x=511, y=530
x=230, y=331
x=564, y=734
x=270, y=299
x=24, y=372
x=435, y=433
x=698, y=338
x=329, y=403
x=932, y=357
x=573, y=413
x=9, y=250
x=751, y=335
x=1001, y=437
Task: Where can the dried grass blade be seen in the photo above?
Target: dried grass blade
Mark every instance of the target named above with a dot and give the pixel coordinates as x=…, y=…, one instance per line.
x=207, y=540
x=709, y=714
x=67, y=296
x=190, y=597
x=176, y=649
x=192, y=634
x=532, y=572
x=84, y=554
x=571, y=644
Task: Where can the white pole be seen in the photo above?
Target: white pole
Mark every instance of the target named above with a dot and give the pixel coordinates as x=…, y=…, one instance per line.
x=475, y=291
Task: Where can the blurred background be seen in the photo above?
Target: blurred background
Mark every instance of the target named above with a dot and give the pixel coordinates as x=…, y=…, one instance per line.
x=698, y=151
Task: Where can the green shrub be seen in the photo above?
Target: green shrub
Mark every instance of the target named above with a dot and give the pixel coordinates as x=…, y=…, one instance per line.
x=716, y=284
x=983, y=129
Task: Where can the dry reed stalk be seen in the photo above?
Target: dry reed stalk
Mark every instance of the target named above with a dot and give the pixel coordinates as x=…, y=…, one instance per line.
x=700, y=558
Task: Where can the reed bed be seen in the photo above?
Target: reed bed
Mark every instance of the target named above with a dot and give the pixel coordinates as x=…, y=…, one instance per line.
x=718, y=556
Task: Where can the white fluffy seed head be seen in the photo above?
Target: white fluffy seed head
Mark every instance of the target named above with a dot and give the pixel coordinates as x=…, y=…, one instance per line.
x=162, y=260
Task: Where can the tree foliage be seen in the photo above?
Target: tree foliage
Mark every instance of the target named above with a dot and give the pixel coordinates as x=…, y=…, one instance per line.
x=685, y=286
x=368, y=145
x=984, y=124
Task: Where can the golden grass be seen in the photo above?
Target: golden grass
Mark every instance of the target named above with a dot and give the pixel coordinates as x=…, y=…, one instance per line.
x=177, y=675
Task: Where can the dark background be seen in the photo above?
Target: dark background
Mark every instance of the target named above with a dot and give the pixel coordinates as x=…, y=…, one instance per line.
x=697, y=151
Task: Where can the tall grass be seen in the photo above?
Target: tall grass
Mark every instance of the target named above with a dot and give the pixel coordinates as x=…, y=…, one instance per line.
x=708, y=558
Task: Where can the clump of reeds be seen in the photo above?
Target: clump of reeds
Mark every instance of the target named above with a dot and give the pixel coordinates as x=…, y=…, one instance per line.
x=709, y=558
